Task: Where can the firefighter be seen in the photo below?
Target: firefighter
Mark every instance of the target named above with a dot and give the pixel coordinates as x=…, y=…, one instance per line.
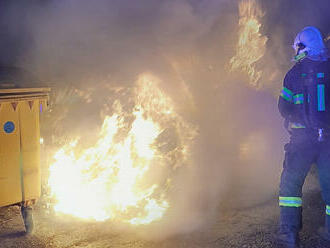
x=305, y=105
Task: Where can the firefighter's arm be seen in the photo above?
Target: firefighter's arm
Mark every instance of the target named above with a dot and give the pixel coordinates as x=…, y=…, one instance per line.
x=285, y=101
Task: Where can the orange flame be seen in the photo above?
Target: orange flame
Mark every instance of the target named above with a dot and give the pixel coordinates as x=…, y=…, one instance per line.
x=251, y=44
x=121, y=177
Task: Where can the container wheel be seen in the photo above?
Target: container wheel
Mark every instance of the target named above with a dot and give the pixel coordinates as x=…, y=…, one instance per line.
x=27, y=218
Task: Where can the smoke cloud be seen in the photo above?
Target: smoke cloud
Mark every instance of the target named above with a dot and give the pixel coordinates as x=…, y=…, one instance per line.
x=83, y=47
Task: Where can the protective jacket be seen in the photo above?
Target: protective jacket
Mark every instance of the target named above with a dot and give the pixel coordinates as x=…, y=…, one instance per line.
x=305, y=97
x=305, y=104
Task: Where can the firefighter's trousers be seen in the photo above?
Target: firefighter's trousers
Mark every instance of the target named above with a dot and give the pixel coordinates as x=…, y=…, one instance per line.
x=300, y=154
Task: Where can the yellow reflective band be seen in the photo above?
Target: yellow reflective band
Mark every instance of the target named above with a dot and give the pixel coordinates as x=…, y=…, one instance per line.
x=298, y=99
x=286, y=94
x=327, y=210
x=290, y=201
x=297, y=125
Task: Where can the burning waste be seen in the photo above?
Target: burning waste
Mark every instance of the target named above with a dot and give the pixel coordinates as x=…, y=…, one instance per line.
x=125, y=176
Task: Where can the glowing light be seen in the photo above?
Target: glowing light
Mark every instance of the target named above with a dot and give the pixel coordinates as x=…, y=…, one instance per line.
x=122, y=175
x=251, y=44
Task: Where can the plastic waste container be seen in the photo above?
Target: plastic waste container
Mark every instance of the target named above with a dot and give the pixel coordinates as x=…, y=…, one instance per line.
x=20, y=179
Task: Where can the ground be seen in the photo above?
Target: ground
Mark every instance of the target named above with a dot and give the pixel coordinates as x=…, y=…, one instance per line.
x=252, y=227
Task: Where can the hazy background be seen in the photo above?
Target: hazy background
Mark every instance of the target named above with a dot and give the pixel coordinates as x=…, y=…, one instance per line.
x=81, y=47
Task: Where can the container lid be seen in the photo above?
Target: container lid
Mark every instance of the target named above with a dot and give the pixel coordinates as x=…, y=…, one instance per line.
x=23, y=94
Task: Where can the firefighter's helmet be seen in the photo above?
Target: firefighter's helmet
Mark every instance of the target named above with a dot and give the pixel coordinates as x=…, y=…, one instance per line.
x=310, y=40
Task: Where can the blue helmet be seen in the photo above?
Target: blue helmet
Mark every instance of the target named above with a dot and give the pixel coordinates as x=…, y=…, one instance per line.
x=310, y=40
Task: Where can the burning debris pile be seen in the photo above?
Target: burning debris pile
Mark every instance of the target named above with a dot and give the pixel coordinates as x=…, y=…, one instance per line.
x=126, y=175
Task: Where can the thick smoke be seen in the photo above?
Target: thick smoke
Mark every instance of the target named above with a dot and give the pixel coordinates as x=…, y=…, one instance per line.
x=82, y=47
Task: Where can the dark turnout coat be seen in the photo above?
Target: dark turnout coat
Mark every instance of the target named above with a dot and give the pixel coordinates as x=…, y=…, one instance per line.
x=305, y=97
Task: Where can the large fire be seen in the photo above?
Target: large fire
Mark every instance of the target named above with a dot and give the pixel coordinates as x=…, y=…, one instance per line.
x=251, y=44
x=126, y=174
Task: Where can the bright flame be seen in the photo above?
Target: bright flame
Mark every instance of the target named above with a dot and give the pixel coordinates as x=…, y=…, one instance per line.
x=122, y=176
x=251, y=44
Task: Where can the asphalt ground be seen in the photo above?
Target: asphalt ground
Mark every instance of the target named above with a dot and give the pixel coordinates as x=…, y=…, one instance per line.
x=250, y=227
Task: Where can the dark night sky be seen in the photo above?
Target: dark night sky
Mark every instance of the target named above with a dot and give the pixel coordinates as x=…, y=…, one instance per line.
x=293, y=16
x=15, y=37
x=286, y=15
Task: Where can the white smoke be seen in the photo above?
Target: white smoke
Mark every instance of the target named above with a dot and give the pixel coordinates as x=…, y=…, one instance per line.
x=89, y=45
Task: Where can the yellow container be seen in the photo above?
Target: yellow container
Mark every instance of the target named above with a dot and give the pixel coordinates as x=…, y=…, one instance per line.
x=20, y=144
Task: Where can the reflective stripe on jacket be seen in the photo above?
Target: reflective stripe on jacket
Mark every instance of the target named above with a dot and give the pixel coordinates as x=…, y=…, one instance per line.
x=305, y=96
